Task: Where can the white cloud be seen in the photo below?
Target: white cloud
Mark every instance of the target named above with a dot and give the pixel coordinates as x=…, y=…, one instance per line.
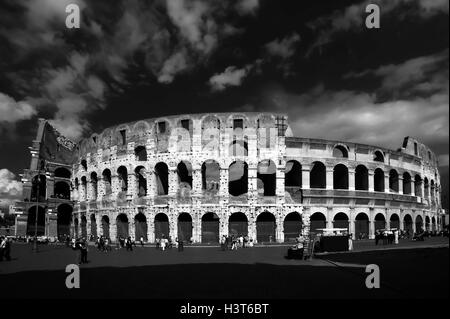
x=12, y=111
x=230, y=77
x=353, y=17
x=443, y=160
x=284, y=48
x=175, y=64
x=194, y=21
x=10, y=187
x=247, y=6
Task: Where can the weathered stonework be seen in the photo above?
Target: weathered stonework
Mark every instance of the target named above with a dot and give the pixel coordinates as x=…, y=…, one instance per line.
x=158, y=168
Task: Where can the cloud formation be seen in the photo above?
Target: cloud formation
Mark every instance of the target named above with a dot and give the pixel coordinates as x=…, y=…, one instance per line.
x=10, y=188
x=12, y=111
x=283, y=48
x=232, y=76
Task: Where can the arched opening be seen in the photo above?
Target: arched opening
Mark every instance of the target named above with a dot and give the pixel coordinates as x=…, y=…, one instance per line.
x=419, y=224
x=408, y=224
x=93, y=226
x=361, y=178
x=393, y=181
x=39, y=185
x=31, y=220
x=317, y=177
x=433, y=224
x=378, y=177
x=94, y=182
x=84, y=227
x=292, y=226
x=62, y=190
x=340, y=151
x=105, y=226
x=362, y=226
x=426, y=187
x=238, y=224
x=62, y=172
x=380, y=222
x=185, y=130
x=418, y=186
x=317, y=221
x=210, y=133
x=141, y=181
x=107, y=181
x=161, y=226
x=184, y=227
x=427, y=223
x=184, y=171
x=210, y=176
x=122, y=173
x=84, y=187
x=406, y=183
x=210, y=228
x=340, y=177
x=266, y=178
x=141, y=153
x=162, y=178
x=63, y=220
x=293, y=174
x=378, y=156
x=394, y=221
x=83, y=164
x=122, y=226
x=340, y=220
x=239, y=147
x=433, y=191
x=238, y=178
x=76, y=228
x=140, y=226
x=265, y=228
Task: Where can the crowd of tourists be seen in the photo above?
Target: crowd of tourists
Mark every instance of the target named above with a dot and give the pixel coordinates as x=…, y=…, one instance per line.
x=234, y=242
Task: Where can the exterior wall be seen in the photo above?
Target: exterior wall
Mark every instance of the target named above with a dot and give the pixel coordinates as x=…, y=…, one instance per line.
x=209, y=138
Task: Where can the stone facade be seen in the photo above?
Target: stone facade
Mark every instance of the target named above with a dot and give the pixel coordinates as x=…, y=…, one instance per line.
x=139, y=178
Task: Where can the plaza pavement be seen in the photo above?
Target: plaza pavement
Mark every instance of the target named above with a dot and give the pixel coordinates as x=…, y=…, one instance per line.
x=411, y=269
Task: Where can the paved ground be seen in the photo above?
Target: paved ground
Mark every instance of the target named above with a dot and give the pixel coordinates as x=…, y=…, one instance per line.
x=260, y=272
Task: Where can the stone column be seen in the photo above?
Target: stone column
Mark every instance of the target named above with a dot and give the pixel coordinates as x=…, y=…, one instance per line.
x=351, y=179
x=306, y=169
x=223, y=228
x=306, y=223
x=131, y=226
x=386, y=183
x=371, y=229
x=196, y=181
x=151, y=228
x=279, y=190
x=115, y=186
x=132, y=186
x=252, y=226
x=413, y=186
x=223, y=187
x=371, y=180
x=252, y=180
x=197, y=227
x=173, y=181
x=400, y=184
x=98, y=224
x=330, y=178
x=279, y=235
x=173, y=225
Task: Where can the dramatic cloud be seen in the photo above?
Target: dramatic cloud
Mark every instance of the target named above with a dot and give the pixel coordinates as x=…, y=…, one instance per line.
x=232, y=76
x=247, y=6
x=352, y=18
x=175, y=64
x=12, y=111
x=194, y=22
x=284, y=48
x=361, y=117
x=10, y=188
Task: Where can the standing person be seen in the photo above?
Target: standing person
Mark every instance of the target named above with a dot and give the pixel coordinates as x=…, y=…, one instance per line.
x=2, y=247
x=142, y=241
x=396, y=237
x=163, y=244
x=83, y=248
x=180, y=245
x=350, y=242
x=158, y=243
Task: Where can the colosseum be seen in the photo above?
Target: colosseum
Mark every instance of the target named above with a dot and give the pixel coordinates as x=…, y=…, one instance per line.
x=200, y=176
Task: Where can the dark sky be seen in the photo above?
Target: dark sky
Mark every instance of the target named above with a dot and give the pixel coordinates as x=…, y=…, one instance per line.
x=314, y=60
